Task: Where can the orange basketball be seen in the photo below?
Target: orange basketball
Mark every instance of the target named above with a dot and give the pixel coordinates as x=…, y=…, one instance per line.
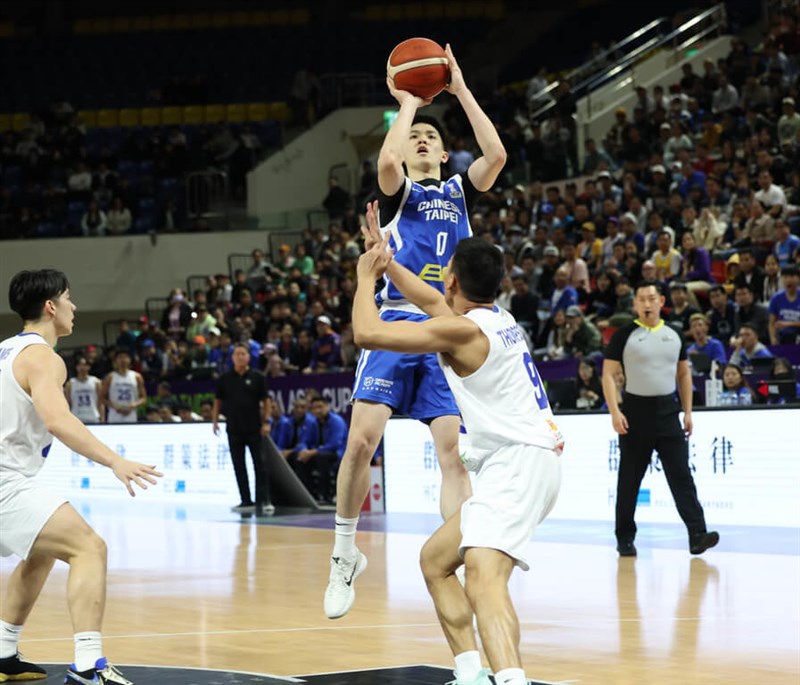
x=419, y=66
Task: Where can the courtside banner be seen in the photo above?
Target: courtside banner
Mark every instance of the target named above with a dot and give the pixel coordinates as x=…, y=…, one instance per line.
x=746, y=464
x=196, y=464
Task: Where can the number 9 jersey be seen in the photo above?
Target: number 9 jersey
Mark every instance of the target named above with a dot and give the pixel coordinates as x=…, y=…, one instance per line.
x=504, y=402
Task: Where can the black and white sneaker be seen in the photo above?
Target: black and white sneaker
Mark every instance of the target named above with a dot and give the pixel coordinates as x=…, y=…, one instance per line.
x=16, y=668
x=103, y=673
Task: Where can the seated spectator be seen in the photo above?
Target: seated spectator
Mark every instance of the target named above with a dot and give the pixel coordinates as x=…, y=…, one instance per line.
x=166, y=414
x=711, y=347
x=750, y=273
x=603, y=299
x=503, y=298
x=772, y=278
x=275, y=366
x=296, y=434
x=93, y=222
x=735, y=389
x=786, y=244
x=589, y=391
x=350, y=351
x=154, y=362
x=577, y=269
x=582, y=337
x=118, y=219
x=782, y=370
x=666, y=258
x=759, y=229
x=695, y=267
x=326, y=353
x=784, y=309
x=79, y=183
x=323, y=460
x=186, y=415
x=152, y=415
x=750, y=311
x=746, y=347
x=556, y=335
x=564, y=295
x=681, y=311
x=590, y=249
x=623, y=312
x=708, y=231
x=207, y=411
x=770, y=196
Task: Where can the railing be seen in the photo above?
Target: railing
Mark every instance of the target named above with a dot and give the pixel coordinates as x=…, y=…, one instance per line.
x=195, y=282
x=654, y=36
x=155, y=307
x=318, y=214
x=354, y=89
x=236, y=261
x=206, y=200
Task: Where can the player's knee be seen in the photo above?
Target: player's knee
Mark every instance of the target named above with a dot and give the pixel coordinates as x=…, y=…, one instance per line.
x=360, y=446
x=92, y=545
x=427, y=563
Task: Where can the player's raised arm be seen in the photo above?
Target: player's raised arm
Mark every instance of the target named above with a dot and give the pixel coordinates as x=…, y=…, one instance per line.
x=483, y=171
x=413, y=288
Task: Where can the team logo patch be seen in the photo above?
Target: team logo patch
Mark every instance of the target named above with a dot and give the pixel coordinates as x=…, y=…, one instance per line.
x=368, y=381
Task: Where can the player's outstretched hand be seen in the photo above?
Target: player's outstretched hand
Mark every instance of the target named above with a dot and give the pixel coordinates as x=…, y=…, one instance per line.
x=403, y=95
x=457, y=83
x=372, y=231
x=133, y=472
x=374, y=261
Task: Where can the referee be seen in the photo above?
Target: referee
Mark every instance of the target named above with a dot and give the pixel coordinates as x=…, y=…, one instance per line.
x=242, y=396
x=653, y=357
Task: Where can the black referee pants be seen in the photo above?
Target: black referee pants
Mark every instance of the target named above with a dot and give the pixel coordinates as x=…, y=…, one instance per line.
x=654, y=425
x=237, y=442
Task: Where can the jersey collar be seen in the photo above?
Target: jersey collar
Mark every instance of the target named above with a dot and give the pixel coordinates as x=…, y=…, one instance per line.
x=658, y=326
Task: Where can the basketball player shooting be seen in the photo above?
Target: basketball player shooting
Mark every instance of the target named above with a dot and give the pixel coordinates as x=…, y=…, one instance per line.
x=514, y=442
x=423, y=218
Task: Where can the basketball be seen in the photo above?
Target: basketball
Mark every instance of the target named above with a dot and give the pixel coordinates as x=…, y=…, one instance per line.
x=419, y=66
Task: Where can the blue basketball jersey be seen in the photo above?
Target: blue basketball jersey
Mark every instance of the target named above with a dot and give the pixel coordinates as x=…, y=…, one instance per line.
x=430, y=221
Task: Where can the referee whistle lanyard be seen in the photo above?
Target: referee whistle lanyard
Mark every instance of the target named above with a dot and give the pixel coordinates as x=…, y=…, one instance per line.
x=659, y=325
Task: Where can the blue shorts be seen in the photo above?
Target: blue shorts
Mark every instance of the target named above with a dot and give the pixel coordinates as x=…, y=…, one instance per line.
x=412, y=384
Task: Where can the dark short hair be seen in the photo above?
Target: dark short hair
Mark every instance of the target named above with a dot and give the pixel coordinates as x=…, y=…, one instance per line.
x=744, y=286
x=29, y=290
x=648, y=284
x=747, y=251
x=790, y=270
x=431, y=121
x=716, y=289
x=749, y=325
x=479, y=268
x=319, y=398
x=243, y=346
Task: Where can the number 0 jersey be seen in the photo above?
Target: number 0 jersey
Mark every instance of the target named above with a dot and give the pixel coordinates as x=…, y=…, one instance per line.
x=432, y=217
x=24, y=440
x=504, y=402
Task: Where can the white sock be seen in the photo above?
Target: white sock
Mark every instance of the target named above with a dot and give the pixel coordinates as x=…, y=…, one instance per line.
x=468, y=665
x=510, y=676
x=345, y=542
x=9, y=639
x=88, y=649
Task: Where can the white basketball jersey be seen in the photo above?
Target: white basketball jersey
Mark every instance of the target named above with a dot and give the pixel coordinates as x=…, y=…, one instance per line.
x=122, y=390
x=504, y=402
x=83, y=399
x=24, y=440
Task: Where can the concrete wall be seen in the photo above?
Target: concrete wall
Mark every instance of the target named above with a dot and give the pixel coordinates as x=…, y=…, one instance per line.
x=119, y=273
x=296, y=178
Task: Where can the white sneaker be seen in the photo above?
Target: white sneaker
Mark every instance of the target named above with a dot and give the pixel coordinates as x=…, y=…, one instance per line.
x=340, y=593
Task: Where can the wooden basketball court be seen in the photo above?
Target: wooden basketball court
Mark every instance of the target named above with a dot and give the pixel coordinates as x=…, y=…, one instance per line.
x=205, y=589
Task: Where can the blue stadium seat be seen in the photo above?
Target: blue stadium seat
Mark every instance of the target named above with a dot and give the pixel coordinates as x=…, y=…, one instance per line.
x=144, y=224
x=47, y=229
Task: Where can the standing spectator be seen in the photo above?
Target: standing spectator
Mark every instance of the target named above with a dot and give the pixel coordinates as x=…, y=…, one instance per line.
x=123, y=390
x=93, y=222
x=118, y=219
x=325, y=457
x=722, y=314
x=83, y=394
x=784, y=309
x=524, y=304
x=789, y=123
x=337, y=201
x=242, y=395
x=654, y=357
x=326, y=353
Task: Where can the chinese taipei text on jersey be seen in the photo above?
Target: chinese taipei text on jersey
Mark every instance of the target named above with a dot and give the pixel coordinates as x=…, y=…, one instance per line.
x=426, y=220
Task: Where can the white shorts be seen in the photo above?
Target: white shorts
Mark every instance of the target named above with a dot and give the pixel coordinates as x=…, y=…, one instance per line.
x=514, y=489
x=25, y=508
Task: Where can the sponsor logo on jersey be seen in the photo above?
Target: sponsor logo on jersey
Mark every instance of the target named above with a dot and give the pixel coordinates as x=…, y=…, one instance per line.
x=432, y=272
